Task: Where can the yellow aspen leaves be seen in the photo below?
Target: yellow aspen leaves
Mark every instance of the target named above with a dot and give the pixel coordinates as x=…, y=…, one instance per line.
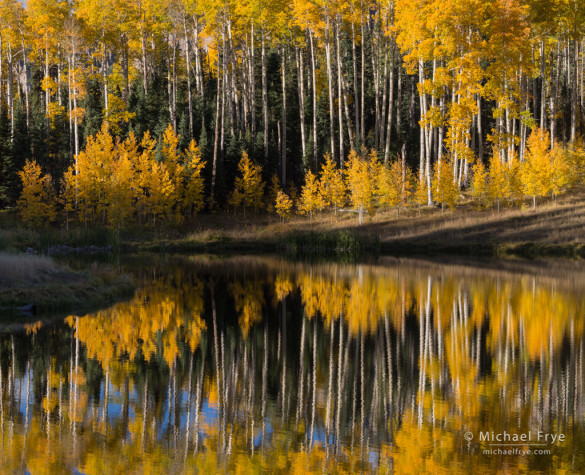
x=480, y=185
x=445, y=187
x=537, y=171
x=311, y=199
x=498, y=187
x=248, y=187
x=361, y=171
x=393, y=185
x=117, y=114
x=194, y=183
x=283, y=205
x=561, y=170
x=420, y=193
x=249, y=299
x=122, y=190
x=272, y=193
x=35, y=204
x=331, y=184
x=115, y=182
x=171, y=157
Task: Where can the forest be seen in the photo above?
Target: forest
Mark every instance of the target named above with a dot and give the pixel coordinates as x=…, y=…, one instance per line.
x=148, y=111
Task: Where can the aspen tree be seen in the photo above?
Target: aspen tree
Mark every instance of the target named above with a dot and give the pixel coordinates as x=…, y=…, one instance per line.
x=536, y=171
x=445, y=186
x=360, y=176
x=248, y=186
x=392, y=185
x=35, y=204
x=311, y=199
x=331, y=184
x=480, y=185
x=194, y=183
x=283, y=205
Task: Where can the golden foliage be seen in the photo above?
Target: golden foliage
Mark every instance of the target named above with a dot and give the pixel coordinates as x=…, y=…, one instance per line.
x=283, y=205
x=248, y=187
x=331, y=184
x=445, y=189
x=360, y=175
x=36, y=202
x=311, y=199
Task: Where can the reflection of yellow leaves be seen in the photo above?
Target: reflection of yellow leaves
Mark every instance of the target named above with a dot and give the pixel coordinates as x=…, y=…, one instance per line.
x=32, y=328
x=55, y=379
x=130, y=327
x=282, y=286
x=249, y=299
x=50, y=403
x=213, y=394
x=79, y=378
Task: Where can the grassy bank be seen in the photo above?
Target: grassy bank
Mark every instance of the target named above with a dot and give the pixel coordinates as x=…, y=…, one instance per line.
x=552, y=229
x=37, y=280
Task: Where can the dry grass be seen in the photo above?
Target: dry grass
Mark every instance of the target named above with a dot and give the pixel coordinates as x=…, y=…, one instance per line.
x=560, y=224
x=18, y=268
x=27, y=279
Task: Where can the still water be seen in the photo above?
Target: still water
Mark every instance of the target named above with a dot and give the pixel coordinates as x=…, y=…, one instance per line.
x=252, y=363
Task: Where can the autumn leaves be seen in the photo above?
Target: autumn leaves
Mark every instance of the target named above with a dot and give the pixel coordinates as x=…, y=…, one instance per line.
x=543, y=172
x=115, y=182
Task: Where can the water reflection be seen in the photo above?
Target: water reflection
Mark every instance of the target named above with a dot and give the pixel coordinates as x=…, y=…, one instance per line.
x=253, y=364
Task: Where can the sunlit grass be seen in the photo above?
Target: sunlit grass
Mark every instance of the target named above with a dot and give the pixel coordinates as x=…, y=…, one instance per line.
x=559, y=222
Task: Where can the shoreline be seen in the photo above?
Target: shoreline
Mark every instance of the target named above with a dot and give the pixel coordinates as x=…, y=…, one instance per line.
x=33, y=285
x=554, y=229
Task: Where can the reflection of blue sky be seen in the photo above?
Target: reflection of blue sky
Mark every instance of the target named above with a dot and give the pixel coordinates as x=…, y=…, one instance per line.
x=268, y=431
x=209, y=414
x=23, y=382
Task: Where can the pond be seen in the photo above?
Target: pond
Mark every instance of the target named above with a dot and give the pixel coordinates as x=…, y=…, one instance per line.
x=258, y=363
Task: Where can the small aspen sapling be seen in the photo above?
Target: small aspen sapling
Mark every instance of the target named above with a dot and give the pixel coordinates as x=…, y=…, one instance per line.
x=248, y=186
x=283, y=205
x=194, y=165
x=311, y=199
x=480, y=185
x=272, y=193
x=444, y=185
x=35, y=204
x=537, y=171
x=331, y=184
x=420, y=194
x=360, y=178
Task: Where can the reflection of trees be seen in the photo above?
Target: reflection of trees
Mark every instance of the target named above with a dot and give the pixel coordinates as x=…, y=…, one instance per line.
x=308, y=369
